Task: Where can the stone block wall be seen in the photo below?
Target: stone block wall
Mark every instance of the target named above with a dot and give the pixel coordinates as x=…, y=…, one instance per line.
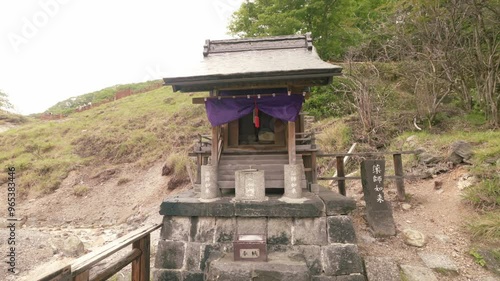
x=326, y=244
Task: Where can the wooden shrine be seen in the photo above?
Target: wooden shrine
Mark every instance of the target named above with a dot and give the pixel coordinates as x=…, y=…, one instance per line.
x=256, y=89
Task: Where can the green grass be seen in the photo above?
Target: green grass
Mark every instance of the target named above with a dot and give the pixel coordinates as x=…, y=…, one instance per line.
x=484, y=195
x=139, y=129
x=486, y=227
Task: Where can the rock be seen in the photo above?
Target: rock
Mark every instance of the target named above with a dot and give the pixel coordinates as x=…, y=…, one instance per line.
x=412, y=141
x=461, y=151
x=443, y=238
x=429, y=158
x=381, y=269
x=439, y=263
x=414, y=238
x=70, y=246
x=367, y=239
x=135, y=220
x=405, y=206
x=492, y=160
x=417, y=273
x=438, y=185
x=466, y=181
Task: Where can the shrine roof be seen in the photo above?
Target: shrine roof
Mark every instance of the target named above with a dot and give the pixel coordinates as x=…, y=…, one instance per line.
x=255, y=62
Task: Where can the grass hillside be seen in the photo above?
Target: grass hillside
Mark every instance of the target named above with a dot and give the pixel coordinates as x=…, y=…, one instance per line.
x=139, y=129
x=68, y=106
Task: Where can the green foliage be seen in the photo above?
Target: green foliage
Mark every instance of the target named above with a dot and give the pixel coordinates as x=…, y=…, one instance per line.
x=179, y=163
x=329, y=101
x=334, y=135
x=478, y=258
x=335, y=24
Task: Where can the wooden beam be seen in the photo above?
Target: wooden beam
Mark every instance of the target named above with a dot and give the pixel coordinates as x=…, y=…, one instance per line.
x=140, y=266
x=84, y=263
x=292, y=158
x=62, y=274
x=117, y=266
x=369, y=153
x=215, y=146
x=202, y=100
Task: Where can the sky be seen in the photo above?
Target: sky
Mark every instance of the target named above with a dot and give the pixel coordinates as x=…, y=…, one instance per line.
x=51, y=50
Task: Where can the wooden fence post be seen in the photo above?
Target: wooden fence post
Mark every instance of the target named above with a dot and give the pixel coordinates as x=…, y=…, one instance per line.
x=398, y=171
x=84, y=276
x=341, y=174
x=140, y=266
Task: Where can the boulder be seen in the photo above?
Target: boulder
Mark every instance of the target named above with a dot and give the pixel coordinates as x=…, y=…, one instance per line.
x=414, y=238
x=429, y=159
x=460, y=152
x=439, y=263
x=466, y=181
x=70, y=246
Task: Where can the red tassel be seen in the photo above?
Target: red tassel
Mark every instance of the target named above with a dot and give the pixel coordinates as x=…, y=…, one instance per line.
x=256, y=120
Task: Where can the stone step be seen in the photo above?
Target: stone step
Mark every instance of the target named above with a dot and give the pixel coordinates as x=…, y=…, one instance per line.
x=278, y=267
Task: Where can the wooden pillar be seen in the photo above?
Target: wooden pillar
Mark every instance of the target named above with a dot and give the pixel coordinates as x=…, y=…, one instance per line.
x=215, y=146
x=84, y=276
x=341, y=174
x=398, y=171
x=314, y=176
x=291, y=143
x=199, y=161
x=140, y=266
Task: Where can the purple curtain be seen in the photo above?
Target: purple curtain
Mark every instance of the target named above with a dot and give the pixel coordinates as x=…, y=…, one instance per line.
x=282, y=106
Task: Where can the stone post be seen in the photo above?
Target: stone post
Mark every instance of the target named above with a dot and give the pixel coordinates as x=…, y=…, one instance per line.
x=209, y=188
x=250, y=185
x=293, y=181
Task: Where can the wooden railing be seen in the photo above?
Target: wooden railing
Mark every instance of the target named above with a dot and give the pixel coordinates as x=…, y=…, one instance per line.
x=398, y=169
x=139, y=257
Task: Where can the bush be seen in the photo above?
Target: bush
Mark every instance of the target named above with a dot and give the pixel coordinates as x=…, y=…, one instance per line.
x=328, y=101
x=80, y=190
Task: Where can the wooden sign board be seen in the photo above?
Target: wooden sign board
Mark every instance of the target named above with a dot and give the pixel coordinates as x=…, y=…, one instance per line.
x=250, y=247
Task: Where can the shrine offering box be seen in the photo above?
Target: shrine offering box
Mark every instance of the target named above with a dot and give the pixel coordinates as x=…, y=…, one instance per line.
x=250, y=247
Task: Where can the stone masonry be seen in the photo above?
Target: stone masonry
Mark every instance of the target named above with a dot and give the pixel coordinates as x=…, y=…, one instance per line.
x=312, y=240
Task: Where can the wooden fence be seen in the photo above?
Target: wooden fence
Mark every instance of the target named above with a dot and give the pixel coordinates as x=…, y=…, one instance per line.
x=398, y=169
x=139, y=257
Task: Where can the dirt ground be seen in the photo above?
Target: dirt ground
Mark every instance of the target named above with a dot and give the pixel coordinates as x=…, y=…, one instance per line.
x=440, y=214
x=109, y=210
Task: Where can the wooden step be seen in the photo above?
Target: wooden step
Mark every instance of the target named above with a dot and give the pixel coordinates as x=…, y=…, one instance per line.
x=254, y=156
x=268, y=184
x=273, y=176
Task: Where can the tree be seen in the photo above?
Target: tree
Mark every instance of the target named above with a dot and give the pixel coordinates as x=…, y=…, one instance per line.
x=4, y=101
x=335, y=24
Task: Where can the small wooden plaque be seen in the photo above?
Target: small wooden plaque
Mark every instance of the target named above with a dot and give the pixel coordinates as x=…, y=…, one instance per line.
x=250, y=247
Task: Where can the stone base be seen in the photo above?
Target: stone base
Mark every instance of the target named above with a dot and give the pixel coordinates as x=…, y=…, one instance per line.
x=312, y=240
